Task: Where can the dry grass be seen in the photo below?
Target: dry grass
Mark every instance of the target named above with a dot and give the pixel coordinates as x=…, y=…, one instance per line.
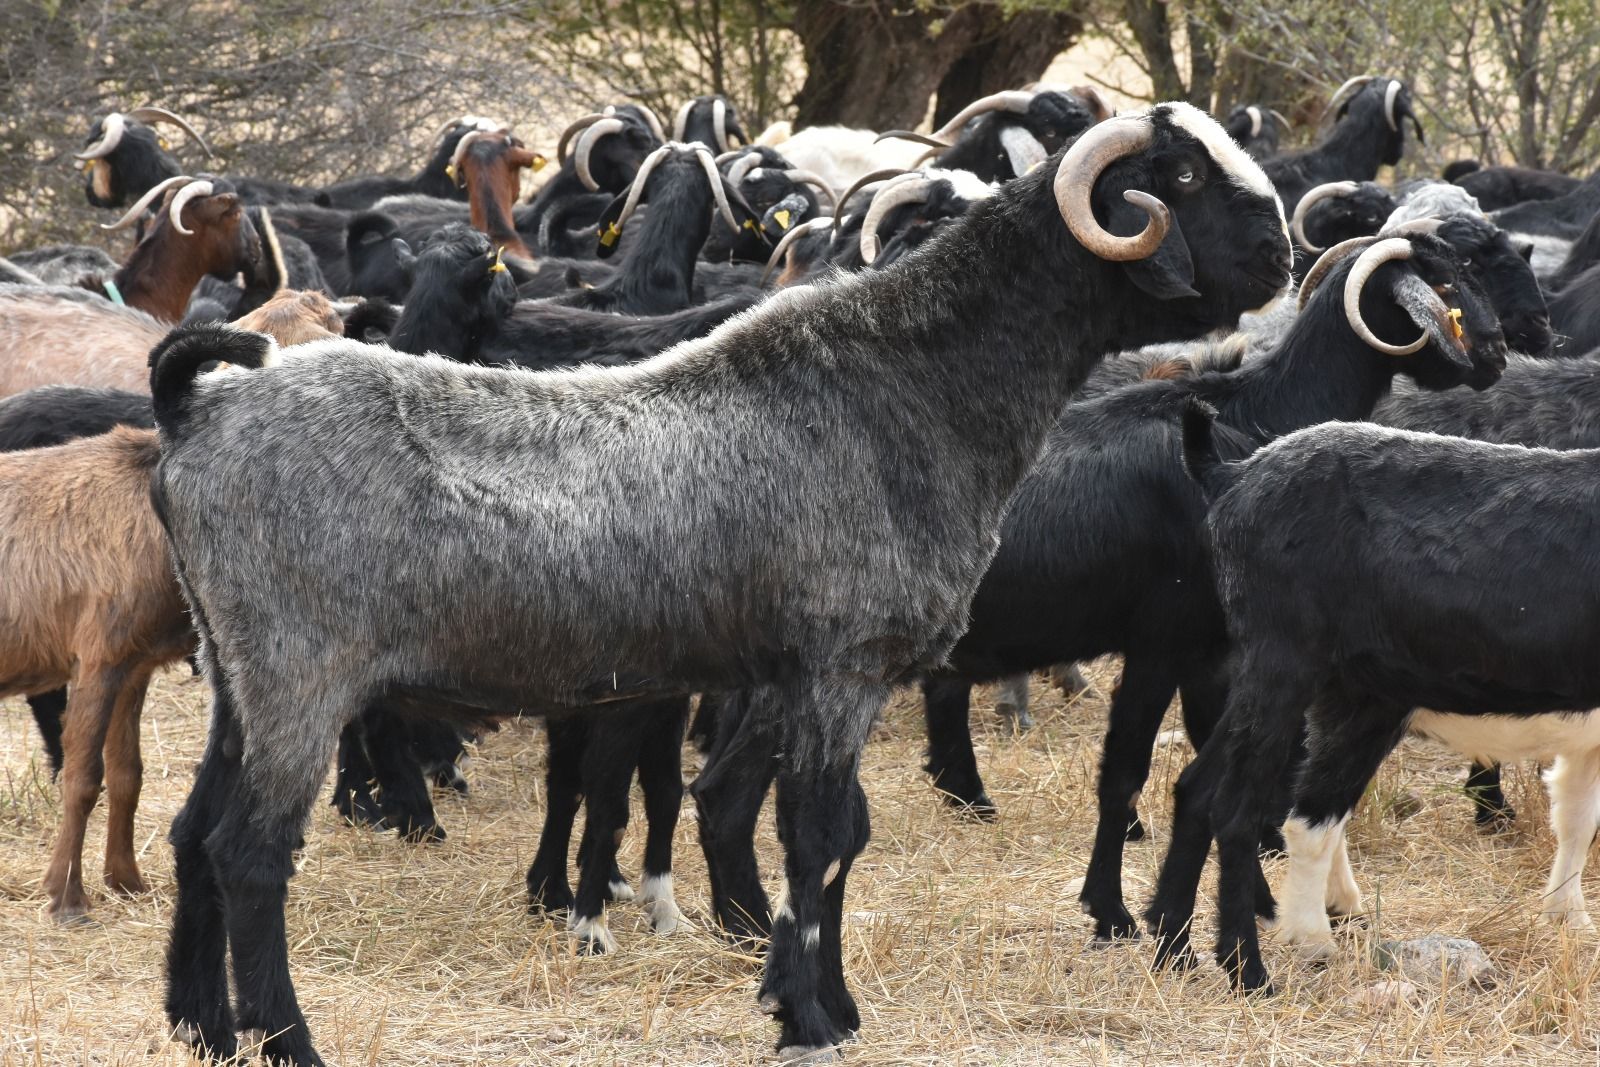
x=964, y=942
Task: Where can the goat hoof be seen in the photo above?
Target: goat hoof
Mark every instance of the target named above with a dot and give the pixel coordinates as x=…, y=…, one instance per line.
x=74, y=918
x=549, y=899
x=769, y=1004
x=664, y=916
x=127, y=885
x=591, y=937
x=979, y=809
x=191, y=1035
x=1497, y=821
x=425, y=834
x=619, y=892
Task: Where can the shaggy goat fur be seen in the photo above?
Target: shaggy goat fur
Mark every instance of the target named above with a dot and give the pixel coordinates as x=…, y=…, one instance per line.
x=801, y=504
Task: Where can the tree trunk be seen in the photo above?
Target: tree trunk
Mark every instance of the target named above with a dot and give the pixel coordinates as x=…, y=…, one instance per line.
x=1006, y=54
x=876, y=63
x=1153, y=31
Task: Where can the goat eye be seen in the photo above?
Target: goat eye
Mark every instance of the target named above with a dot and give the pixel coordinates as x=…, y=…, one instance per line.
x=1186, y=177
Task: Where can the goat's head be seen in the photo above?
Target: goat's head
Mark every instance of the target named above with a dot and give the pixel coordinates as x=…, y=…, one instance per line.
x=712, y=121
x=1190, y=218
x=490, y=166
x=1502, y=271
x=378, y=257
x=1381, y=104
x=1006, y=134
x=681, y=180
x=1408, y=297
x=124, y=157
x=1256, y=128
x=438, y=178
x=459, y=273
x=201, y=220
x=781, y=193
x=609, y=146
x=1338, y=211
x=293, y=317
x=905, y=206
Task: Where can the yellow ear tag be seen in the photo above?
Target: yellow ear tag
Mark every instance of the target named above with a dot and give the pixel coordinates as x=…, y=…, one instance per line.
x=450, y=171
x=88, y=165
x=782, y=218
x=1455, y=322
x=499, y=266
x=749, y=224
x=162, y=141
x=538, y=163
x=609, y=235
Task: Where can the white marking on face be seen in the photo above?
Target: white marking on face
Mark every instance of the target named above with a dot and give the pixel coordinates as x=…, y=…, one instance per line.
x=1303, y=920
x=1224, y=150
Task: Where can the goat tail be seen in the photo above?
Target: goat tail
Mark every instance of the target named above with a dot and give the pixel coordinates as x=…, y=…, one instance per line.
x=1200, y=456
x=178, y=359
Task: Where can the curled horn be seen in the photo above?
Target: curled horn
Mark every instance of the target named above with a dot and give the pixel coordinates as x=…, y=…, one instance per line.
x=680, y=122
x=720, y=194
x=111, y=129
x=809, y=226
x=1350, y=88
x=861, y=183
x=742, y=167
x=1097, y=103
x=732, y=153
x=1389, y=95
x=181, y=198
x=603, y=127
x=577, y=127
x=1325, y=263
x=719, y=122
x=912, y=135
x=1011, y=100
x=1275, y=113
x=1096, y=149
x=636, y=190
x=653, y=121
x=907, y=189
x=1255, y=120
x=1313, y=197
x=155, y=193
x=146, y=113
x=1387, y=250
x=798, y=176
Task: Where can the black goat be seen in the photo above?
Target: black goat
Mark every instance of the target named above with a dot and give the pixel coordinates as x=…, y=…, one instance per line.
x=1564, y=216
x=608, y=148
x=712, y=121
x=123, y=156
x=1367, y=133
x=1575, y=312
x=800, y=505
x=1335, y=212
x=1365, y=575
x=463, y=304
x=1005, y=134
x=1257, y=129
x=1501, y=187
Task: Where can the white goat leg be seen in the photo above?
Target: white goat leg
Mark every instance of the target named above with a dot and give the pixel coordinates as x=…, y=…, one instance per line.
x=1574, y=784
x=1303, y=921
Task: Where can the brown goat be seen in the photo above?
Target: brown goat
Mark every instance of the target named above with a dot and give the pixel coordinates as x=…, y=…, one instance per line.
x=88, y=600
x=162, y=271
x=64, y=337
x=490, y=166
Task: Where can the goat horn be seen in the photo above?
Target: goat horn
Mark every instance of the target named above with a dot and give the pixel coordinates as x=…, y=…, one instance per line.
x=1011, y=100
x=111, y=128
x=907, y=189
x=572, y=131
x=719, y=122
x=714, y=176
x=1428, y=227
x=798, y=176
x=742, y=167
x=680, y=121
x=1325, y=263
x=467, y=141
x=1255, y=120
x=1313, y=197
x=809, y=226
x=1096, y=103
x=155, y=193
x=603, y=127
x=732, y=153
x=636, y=190
x=1389, y=95
x=146, y=113
x=653, y=121
x=861, y=183
x=181, y=198
x=1275, y=113
x=912, y=135
x=1387, y=250
x=1096, y=149
x=1345, y=91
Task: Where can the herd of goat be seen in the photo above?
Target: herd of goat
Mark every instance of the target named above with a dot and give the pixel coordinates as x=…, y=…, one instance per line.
x=780, y=425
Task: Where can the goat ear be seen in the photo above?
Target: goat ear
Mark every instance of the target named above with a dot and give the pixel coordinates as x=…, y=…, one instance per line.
x=1442, y=324
x=219, y=206
x=1167, y=275
x=1525, y=250
x=404, y=256
x=607, y=234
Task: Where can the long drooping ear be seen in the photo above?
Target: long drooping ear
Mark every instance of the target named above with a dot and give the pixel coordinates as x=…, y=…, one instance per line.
x=609, y=235
x=1169, y=273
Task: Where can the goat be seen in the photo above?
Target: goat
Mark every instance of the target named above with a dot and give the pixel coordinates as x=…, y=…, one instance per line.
x=1562, y=217
x=66, y=336
x=1257, y=129
x=1501, y=187
x=1004, y=134
x=712, y=121
x=608, y=148
x=1348, y=613
x=811, y=495
x=123, y=157
x=840, y=156
x=1366, y=134
x=463, y=305
x=769, y=184
x=1338, y=211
